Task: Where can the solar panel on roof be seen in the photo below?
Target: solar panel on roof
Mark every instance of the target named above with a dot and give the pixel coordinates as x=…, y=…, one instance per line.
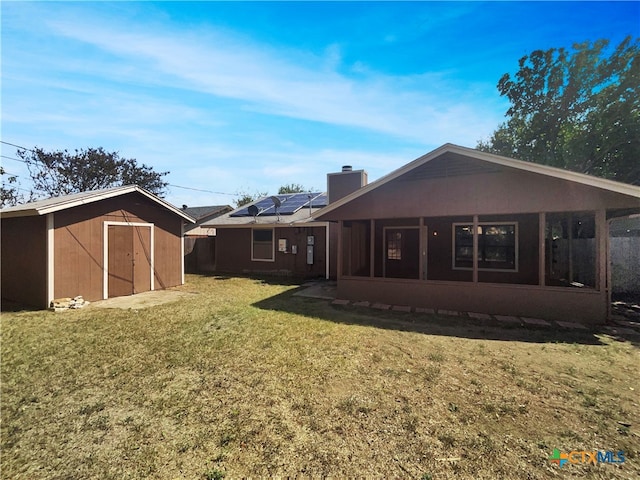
x=294, y=203
x=263, y=206
x=289, y=204
x=319, y=201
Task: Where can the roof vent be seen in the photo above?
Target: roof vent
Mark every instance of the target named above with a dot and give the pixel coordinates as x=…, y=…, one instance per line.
x=347, y=168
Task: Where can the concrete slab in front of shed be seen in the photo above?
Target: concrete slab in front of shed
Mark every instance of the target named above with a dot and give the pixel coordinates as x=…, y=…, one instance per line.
x=142, y=300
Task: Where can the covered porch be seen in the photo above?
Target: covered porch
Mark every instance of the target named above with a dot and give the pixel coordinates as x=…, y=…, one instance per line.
x=549, y=265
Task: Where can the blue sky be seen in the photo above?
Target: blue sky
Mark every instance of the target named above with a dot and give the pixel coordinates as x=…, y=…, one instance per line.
x=245, y=97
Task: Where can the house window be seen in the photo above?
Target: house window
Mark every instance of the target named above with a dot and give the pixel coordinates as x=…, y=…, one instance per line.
x=497, y=246
x=262, y=245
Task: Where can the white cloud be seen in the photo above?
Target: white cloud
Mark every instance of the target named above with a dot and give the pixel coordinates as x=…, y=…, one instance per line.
x=291, y=84
x=215, y=108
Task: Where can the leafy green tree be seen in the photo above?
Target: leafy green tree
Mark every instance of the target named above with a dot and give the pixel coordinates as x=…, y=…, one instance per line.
x=245, y=198
x=578, y=110
x=61, y=172
x=292, y=188
x=8, y=191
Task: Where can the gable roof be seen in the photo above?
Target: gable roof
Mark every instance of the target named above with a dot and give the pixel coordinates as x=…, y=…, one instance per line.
x=295, y=208
x=590, y=180
x=201, y=212
x=56, y=204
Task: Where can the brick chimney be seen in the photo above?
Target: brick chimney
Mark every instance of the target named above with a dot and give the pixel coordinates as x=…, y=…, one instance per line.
x=343, y=183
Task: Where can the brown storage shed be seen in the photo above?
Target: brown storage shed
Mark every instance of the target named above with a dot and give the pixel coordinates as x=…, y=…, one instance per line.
x=463, y=230
x=98, y=244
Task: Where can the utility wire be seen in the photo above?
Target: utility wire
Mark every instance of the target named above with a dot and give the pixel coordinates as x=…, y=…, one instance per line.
x=168, y=184
x=18, y=146
x=200, y=190
x=14, y=159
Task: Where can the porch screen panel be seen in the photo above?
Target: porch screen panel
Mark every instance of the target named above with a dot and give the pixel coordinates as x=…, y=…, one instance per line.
x=497, y=246
x=570, y=250
x=356, y=248
x=441, y=249
x=463, y=249
x=402, y=253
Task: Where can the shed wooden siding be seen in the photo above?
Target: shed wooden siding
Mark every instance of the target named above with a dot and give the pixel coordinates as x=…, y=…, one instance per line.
x=79, y=244
x=233, y=252
x=24, y=260
x=495, y=191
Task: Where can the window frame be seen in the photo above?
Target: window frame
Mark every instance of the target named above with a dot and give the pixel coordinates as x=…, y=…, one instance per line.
x=253, y=244
x=476, y=243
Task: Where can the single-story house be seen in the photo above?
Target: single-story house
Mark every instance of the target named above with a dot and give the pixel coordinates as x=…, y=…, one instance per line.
x=459, y=229
x=98, y=244
x=277, y=235
x=199, y=241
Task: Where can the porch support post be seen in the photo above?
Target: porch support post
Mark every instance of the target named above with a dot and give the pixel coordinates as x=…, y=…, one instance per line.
x=327, y=251
x=340, y=246
x=475, y=249
x=423, y=249
x=602, y=234
x=542, y=261
x=602, y=252
x=372, y=240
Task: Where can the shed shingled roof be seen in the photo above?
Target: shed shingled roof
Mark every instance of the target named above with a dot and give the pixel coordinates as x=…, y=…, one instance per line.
x=55, y=204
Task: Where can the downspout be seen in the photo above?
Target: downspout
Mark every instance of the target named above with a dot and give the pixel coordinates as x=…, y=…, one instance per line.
x=327, y=251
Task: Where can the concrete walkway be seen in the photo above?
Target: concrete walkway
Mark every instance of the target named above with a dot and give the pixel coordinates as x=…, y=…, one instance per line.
x=328, y=291
x=324, y=290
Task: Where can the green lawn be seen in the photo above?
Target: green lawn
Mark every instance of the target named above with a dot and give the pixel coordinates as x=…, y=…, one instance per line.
x=241, y=379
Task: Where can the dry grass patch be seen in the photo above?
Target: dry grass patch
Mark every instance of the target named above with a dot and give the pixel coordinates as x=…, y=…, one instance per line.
x=244, y=380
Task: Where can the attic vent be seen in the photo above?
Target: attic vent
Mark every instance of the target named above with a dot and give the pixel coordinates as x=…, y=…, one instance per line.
x=347, y=168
